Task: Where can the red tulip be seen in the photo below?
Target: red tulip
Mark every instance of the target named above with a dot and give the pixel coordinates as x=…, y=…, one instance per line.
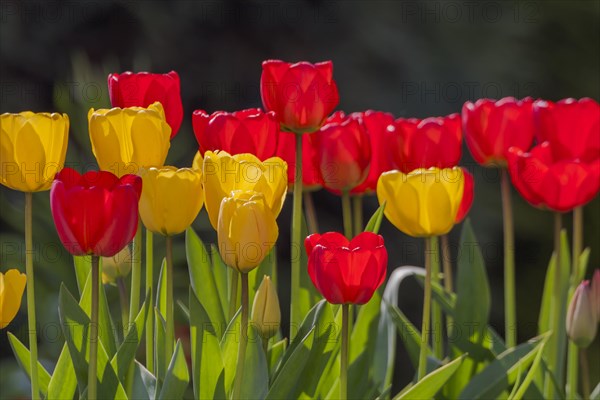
x=142, y=89
x=286, y=149
x=467, y=199
x=302, y=94
x=346, y=272
x=492, y=127
x=547, y=182
x=376, y=124
x=571, y=126
x=426, y=143
x=246, y=131
x=343, y=152
x=95, y=213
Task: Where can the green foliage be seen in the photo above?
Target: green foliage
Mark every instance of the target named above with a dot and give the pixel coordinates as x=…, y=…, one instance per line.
x=23, y=358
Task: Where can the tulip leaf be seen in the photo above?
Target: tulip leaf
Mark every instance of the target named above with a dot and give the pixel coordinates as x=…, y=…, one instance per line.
x=595, y=395
x=75, y=326
x=177, y=376
x=143, y=386
x=207, y=361
x=220, y=271
x=83, y=266
x=583, y=264
x=255, y=383
x=524, y=386
x=432, y=382
x=410, y=334
x=22, y=355
x=159, y=349
x=161, y=288
x=375, y=221
x=202, y=278
x=229, y=349
x=275, y=354
x=63, y=382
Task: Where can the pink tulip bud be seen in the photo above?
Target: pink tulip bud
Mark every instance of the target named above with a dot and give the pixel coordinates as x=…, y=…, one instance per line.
x=582, y=316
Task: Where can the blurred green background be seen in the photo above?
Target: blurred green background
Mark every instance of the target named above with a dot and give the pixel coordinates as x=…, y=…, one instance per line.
x=410, y=58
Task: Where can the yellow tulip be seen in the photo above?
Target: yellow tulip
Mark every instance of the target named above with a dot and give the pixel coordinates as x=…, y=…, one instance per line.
x=266, y=314
x=12, y=285
x=247, y=230
x=223, y=173
x=127, y=139
x=117, y=266
x=33, y=147
x=171, y=199
x=423, y=202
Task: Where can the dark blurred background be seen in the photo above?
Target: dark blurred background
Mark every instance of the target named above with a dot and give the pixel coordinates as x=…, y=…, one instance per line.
x=410, y=58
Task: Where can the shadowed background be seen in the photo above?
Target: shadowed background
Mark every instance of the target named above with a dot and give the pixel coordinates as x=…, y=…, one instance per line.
x=410, y=58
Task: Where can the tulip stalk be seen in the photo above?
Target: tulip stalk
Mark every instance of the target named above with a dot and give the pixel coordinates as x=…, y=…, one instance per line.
x=510, y=313
x=347, y=214
x=124, y=305
x=31, y=320
x=233, y=294
x=136, y=272
x=344, y=352
x=241, y=358
x=295, y=319
x=150, y=291
x=447, y=268
x=425, y=326
x=170, y=331
x=585, y=374
x=311, y=213
x=436, y=312
x=93, y=332
x=357, y=202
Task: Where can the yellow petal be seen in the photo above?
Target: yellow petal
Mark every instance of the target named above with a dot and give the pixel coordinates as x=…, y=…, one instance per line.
x=12, y=285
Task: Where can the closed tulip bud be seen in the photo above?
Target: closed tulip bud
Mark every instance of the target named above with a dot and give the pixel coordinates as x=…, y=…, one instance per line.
x=424, y=202
x=127, y=139
x=247, y=230
x=33, y=149
x=171, y=199
x=266, y=314
x=12, y=285
x=117, y=266
x=582, y=318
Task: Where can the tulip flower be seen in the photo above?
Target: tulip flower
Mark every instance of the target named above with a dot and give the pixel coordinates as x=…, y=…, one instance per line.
x=424, y=202
x=492, y=127
x=12, y=285
x=117, y=266
x=582, y=314
x=311, y=177
x=468, y=195
x=247, y=131
x=571, y=126
x=95, y=213
x=171, y=199
x=142, y=89
x=343, y=152
x=127, y=139
x=224, y=173
x=346, y=271
x=33, y=150
x=266, y=314
x=546, y=182
x=247, y=229
x=302, y=94
x=425, y=143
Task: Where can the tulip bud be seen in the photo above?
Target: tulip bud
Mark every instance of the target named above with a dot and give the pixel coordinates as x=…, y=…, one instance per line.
x=12, y=285
x=582, y=319
x=266, y=313
x=117, y=266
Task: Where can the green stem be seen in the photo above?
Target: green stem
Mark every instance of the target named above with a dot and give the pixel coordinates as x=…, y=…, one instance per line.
x=93, y=365
x=510, y=313
x=585, y=374
x=347, y=214
x=311, y=213
x=296, y=241
x=344, y=353
x=448, y=283
x=426, y=313
x=436, y=311
x=136, y=272
x=233, y=294
x=31, y=320
x=577, y=243
x=357, y=203
x=150, y=291
x=241, y=359
x=124, y=306
x=572, y=370
x=170, y=331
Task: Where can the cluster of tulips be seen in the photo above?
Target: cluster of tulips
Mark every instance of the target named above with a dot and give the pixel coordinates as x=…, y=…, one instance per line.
x=247, y=162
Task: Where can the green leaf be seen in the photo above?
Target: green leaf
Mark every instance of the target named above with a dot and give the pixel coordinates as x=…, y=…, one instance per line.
x=83, y=266
x=202, y=278
x=177, y=377
x=275, y=354
x=144, y=383
x=595, y=395
x=220, y=273
x=161, y=289
x=432, y=382
x=207, y=361
x=24, y=359
x=159, y=349
x=375, y=221
x=63, y=381
x=583, y=264
x=229, y=348
x=256, y=374
x=410, y=334
x=532, y=371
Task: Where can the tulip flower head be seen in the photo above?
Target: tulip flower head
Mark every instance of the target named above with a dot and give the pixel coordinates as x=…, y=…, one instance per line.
x=582, y=314
x=546, y=182
x=143, y=88
x=247, y=131
x=266, y=313
x=346, y=272
x=247, y=230
x=117, y=266
x=12, y=285
x=467, y=198
x=223, y=173
x=33, y=149
x=492, y=127
x=302, y=94
x=127, y=139
x=424, y=202
x=95, y=213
